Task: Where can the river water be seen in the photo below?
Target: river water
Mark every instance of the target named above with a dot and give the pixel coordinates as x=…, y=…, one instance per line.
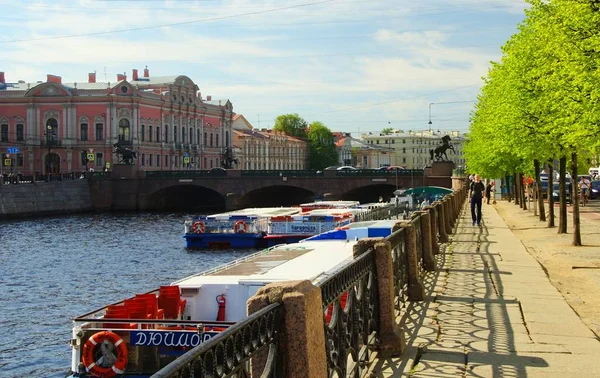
x=54, y=269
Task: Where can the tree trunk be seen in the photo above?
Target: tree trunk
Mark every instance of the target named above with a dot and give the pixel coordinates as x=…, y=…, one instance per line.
x=575, y=201
x=540, y=196
x=562, y=215
x=522, y=192
x=507, y=186
x=549, y=194
x=516, y=189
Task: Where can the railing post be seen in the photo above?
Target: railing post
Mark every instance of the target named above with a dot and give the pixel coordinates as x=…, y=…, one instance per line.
x=303, y=343
x=448, y=215
x=416, y=290
x=426, y=236
x=391, y=336
x=439, y=205
x=433, y=228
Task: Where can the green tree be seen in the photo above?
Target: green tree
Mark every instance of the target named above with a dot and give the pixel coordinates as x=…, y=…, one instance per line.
x=387, y=131
x=291, y=124
x=323, y=152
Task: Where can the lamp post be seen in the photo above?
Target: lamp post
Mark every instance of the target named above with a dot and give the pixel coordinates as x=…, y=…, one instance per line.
x=440, y=103
x=49, y=137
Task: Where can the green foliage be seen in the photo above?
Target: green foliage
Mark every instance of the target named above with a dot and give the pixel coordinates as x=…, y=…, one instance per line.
x=540, y=101
x=387, y=131
x=291, y=124
x=323, y=152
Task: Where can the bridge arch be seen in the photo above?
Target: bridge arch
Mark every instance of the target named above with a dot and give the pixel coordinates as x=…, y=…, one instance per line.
x=186, y=197
x=370, y=193
x=277, y=195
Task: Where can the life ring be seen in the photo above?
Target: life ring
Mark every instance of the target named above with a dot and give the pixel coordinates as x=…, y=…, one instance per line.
x=94, y=367
x=198, y=227
x=240, y=227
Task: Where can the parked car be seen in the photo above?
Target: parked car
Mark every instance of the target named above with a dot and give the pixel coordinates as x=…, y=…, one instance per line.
x=555, y=192
x=218, y=171
x=346, y=168
x=595, y=193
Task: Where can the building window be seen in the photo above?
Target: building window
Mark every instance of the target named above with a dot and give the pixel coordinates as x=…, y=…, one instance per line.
x=4, y=133
x=19, y=160
x=217, y=140
x=150, y=160
x=166, y=133
x=143, y=133
x=158, y=161
x=20, y=135
x=211, y=144
x=157, y=134
x=124, y=128
x=198, y=136
x=175, y=134
x=143, y=159
x=99, y=159
x=99, y=131
x=183, y=135
x=150, y=133
x=205, y=160
x=83, y=131
x=191, y=136
x=51, y=129
x=167, y=161
x=175, y=161
x=226, y=138
x=205, y=139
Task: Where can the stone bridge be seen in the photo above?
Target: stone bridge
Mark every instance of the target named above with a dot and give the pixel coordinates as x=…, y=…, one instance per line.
x=125, y=188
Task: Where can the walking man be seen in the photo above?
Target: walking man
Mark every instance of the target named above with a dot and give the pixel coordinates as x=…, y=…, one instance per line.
x=476, y=195
x=488, y=192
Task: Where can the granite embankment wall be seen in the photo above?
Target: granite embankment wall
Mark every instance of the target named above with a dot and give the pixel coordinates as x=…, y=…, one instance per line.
x=45, y=199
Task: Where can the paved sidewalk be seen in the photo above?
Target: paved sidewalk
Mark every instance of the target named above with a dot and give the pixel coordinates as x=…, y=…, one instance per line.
x=492, y=312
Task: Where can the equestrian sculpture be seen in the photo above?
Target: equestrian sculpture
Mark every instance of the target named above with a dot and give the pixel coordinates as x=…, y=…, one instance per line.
x=440, y=152
x=227, y=159
x=126, y=155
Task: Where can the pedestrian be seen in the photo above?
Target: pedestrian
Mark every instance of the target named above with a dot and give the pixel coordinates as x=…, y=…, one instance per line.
x=488, y=191
x=476, y=190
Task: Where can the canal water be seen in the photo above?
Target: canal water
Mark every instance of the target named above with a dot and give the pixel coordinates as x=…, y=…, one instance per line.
x=54, y=269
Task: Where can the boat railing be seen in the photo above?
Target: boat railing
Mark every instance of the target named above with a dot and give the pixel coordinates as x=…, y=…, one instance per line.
x=228, y=226
x=257, y=337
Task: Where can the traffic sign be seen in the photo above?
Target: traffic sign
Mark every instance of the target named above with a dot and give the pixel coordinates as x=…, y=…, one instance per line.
x=90, y=157
x=7, y=162
x=186, y=160
x=108, y=165
x=12, y=150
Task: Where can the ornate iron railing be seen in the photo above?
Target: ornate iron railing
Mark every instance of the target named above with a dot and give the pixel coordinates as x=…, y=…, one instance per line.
x=281, y=173
x=229, y=354
x=399, y=243
x=184, y=174
x=351, y=321
x=376, y=214
x=376, y=172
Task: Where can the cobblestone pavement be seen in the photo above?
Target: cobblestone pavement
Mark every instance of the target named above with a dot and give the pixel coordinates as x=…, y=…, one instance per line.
x=490, y=311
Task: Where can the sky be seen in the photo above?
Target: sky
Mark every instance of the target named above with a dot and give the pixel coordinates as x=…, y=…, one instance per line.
x=357, y=66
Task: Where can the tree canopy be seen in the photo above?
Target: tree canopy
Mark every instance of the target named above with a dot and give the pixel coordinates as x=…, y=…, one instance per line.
x=323, y=152
x=291, y=124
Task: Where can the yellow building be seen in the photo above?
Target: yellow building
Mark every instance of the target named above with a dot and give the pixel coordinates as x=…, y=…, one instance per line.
x=413, y=149
x=266, y=149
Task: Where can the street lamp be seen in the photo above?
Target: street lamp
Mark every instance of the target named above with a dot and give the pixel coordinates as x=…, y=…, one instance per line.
x=49, y=136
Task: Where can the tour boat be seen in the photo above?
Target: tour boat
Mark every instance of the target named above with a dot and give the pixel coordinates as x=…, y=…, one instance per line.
x=263, y=227
x=140, y=335
x=329, y=205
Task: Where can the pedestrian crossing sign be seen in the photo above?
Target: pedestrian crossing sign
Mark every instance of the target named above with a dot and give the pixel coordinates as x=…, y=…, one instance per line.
x=7, y=162
x=90, y=157
x=108, y=165
x=186, y=160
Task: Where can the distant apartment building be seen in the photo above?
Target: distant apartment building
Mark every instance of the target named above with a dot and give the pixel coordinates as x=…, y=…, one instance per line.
x=267, y=149
x=56, y=126
x=412, y=149
x=359, y=154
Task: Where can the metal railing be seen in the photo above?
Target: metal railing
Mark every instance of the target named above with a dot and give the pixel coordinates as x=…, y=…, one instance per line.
x=14, y=179
x=280, y=173
x=351, y=324
x=377, y=172
x=229, y=354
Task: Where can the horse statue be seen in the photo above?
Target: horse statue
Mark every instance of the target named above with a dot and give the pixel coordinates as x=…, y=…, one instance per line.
x=126, y=155
x=227, y=159
x=440, y=152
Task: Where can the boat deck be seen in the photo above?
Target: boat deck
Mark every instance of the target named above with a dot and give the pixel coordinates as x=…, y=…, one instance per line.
x=260, y=212
x=262, y=263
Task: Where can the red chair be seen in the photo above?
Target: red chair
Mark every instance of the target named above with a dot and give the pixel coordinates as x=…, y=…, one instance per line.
x=169, y=299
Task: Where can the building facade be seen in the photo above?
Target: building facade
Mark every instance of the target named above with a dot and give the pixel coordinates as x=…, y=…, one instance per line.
x=359, y=154
x=412, y=149
x=70, y=127
x=267, y=149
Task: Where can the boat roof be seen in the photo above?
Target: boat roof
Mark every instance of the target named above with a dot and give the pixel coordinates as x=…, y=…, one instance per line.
x=339, y=204
x=356, y=231
x=297, y=261
x=257, y=212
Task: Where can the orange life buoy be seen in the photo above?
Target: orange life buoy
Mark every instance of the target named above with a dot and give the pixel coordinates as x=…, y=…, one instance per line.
x=240, y=227
x=198, y=227
x=104, y=366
